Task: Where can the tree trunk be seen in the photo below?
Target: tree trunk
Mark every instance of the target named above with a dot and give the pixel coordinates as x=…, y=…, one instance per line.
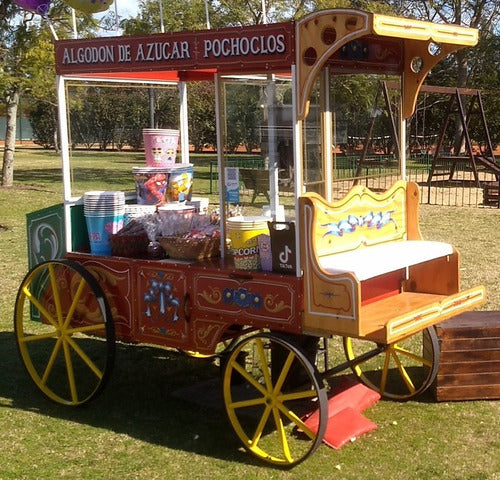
x=10, y=139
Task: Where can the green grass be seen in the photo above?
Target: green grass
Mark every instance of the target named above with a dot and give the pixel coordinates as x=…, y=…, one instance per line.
x=140, y=429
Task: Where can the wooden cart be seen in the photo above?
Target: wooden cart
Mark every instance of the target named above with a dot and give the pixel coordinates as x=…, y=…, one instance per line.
x=362, y=270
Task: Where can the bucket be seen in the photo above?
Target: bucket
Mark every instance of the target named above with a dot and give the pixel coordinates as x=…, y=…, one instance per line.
x=180, y=185
x=160, y=146
x=200, y=204
x=176, y=218
x=134, y=211
x=244, y=233
x=159, y=185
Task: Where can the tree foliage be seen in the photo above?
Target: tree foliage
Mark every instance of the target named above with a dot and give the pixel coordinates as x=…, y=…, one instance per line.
x=103, y=118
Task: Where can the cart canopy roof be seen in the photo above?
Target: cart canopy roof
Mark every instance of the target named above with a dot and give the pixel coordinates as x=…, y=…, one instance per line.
x=345, y=41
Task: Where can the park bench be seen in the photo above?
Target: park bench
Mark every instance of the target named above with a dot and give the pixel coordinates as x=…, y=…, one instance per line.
x=367, y=270
x=256, y=180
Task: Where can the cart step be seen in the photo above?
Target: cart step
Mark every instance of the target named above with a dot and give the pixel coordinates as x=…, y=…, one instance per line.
x=345, y=420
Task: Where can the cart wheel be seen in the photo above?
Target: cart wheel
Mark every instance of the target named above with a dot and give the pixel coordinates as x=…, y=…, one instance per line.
x=64, y=331
x=399, y=371
x=266, y=401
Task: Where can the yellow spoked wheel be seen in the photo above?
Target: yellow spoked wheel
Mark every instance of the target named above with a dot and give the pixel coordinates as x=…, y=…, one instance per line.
x=64, y=331
x=399, y=371
x=269, y=388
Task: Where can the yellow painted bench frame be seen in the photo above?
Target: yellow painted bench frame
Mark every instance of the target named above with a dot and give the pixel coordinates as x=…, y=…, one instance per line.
x=429, y=292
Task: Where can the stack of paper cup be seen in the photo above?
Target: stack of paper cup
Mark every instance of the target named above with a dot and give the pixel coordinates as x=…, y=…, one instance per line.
x=104, y=212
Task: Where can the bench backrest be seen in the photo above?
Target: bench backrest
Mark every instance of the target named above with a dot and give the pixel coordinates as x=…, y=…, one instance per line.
x=362, y=218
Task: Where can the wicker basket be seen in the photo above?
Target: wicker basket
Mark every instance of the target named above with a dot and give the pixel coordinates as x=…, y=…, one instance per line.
x=181, y=248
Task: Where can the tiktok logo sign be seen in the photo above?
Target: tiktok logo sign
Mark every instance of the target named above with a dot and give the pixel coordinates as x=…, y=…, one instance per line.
x=284, y=256
x=283, y=246
x=286, y=259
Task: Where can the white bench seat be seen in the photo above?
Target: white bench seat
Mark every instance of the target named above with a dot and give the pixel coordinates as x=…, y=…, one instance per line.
x=369, y=262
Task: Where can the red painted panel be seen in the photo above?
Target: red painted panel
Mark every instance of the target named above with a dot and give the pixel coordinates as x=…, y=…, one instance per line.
x=115, y=277
x=161, y=296
x=253, y=299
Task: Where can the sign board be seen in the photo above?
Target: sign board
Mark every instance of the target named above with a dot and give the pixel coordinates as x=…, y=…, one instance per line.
x=253, y=48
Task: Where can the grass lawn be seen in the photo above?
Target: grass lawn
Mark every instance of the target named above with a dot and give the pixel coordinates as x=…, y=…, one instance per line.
x=140, y=428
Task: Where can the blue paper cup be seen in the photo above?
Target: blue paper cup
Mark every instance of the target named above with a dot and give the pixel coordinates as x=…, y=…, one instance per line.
x=100, y=227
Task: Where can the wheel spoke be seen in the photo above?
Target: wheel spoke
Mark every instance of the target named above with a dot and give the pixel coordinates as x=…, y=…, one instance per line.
x=75, y=301
x=85, y=358
x=297, y=421
x=404, y=373
x=70, y=372
x=248, y=377
x=418, y=358
x=51, y=362
x=253, y=402
x=284, y=373
x=38, y=337
x=86, y=329
x=260, y=427
x=285, y=397
x=263, y=362
x=55, y=293
x=282, y=435
x=44, y=312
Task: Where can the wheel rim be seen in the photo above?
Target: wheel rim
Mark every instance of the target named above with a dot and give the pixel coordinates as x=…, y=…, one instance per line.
x=64, y=332
x=401, y=370
x=265, y=403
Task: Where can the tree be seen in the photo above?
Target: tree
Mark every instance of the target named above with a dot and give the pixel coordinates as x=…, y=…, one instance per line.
x=10, y=84
x=27, y=64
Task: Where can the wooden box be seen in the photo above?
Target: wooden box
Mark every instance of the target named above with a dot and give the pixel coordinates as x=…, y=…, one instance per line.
x=469, y=363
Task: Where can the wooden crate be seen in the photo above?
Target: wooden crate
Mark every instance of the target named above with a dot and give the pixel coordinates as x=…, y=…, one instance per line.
x=469, y=363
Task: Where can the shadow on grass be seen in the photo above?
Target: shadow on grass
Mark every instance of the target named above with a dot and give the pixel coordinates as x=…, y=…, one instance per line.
x=154, y=395
x=147, y=398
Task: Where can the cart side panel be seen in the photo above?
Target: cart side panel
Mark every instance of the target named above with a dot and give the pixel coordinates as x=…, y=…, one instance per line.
x=45, y=234
x=248, y=299
x=115, y=276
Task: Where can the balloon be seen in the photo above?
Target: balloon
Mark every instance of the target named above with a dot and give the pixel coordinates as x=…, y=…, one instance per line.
x=37, y=6
x=90, y=6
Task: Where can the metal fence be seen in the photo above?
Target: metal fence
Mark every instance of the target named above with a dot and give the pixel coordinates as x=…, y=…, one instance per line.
x=462, y=190
x=380, y=174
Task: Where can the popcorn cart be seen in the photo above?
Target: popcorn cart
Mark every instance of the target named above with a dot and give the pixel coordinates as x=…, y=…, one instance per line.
x=353, y=265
